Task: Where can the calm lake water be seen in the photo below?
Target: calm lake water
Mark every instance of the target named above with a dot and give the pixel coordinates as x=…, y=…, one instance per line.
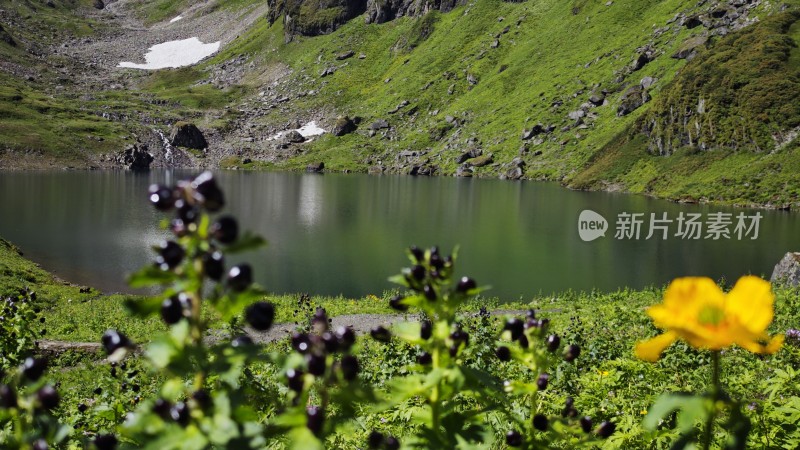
x=345, y=234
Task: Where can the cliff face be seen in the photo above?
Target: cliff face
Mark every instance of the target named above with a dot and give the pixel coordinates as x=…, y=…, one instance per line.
x=380, y=11
x=313, y=17
x=742, y=93
x=316, y=17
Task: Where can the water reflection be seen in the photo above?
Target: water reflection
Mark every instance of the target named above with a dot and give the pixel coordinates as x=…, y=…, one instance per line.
x=345, y=234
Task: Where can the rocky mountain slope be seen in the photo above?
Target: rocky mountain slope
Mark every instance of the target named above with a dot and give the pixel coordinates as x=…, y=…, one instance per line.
x=682, y=99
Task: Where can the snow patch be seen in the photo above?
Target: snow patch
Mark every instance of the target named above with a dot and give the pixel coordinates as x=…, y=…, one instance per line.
x=309, y=130
x=175, y=19
x=174, y=54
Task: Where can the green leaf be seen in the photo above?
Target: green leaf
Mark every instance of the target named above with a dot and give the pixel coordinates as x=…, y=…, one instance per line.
x=303, y=439
x=162, y=351
x=150, y=276
x=246, y=242
x=693, y=408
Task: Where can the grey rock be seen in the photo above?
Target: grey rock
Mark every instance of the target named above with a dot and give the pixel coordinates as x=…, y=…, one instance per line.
x=344, y=125
x=5, y=37
x=327, y=71
x=471, y=79
x=515, y=173
x=689, y=47
x=481, y=161
x=315, y=167
x=345, y=55
x=632, y=99
x=379, y=124
x=647, y=82
x=535, y=131
x=577, y=114
x=98, y=4
x=135, y=157
x=293, y=137
x=597, y=98
x=495, y=43
x=473, y=153
x=464, y=171
x=186, y=134
x=787, y=271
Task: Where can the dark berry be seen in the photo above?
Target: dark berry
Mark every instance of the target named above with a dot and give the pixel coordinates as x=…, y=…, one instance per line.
x=241, y=341
x=586, y=424
x=98, y=391
x=573, y=351
x=417, y=252
x=513, y=438
x=426, y=330
x=207, y=193
x=170, y=254
x=515, y=326
x=350, y=367
x=523, y=341
x=171, y=310
x=178, y=228
x=33, y=368
x=240, y=277
x=453, y=350
x=316, y=364
x=429, y=292
x=315, y=418
x=260, y=315
x=392, y=443
x=381, y=334
x=113, y=340
x=330, y=341
x=553, y=341
x=418, y=272
x=466, y=284
x=396, y=302
x=203, y=399
x=8, y=398
x=187, y=213
x=459, y=336
x=40, y=444
x=225, y=230
x=105, y=442
x=48, y=397
x=319, y=321
x=424, y=358
x=542, y=381
x=436, y=260
x=606, y=429
x=530, y=314
x=503, y=353
x=161, y=197
x=375, y=439
x=82, y=407
x=346, y=337
x=296, y=380
x=179, y=412
x=540, y=422
x=162, y=408
x=214, y=265
x=301, y=343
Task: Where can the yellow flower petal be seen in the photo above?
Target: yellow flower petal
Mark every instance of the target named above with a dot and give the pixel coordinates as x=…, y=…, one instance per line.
x=650, y=350
x=774, y=344
x=751, y=302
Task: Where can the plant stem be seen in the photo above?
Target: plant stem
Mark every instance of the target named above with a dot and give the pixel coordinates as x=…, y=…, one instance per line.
x=716, y=389
x=435, y=393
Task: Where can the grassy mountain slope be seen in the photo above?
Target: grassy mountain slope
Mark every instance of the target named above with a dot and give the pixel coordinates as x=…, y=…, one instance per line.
x=473, y=79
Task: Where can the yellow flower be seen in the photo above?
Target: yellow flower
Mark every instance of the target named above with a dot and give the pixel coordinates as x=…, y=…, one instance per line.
x=697, y=311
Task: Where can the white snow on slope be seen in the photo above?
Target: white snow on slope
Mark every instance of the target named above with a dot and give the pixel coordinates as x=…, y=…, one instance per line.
x=174, y=54
x=308, y=130
x=175, y=19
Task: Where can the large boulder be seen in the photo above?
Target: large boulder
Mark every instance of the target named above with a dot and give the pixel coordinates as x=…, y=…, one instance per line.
x=5, y=37
x=135, y=158
x=632, y=99
x=187, y=135
x=344, y=125
x=787, y=270
x=317, y=167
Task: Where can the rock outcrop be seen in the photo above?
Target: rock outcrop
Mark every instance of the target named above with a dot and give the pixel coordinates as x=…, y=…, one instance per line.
x=187, y=135
x=5, y=37
x=380, y=11
x=135, y=157
x=787, y=270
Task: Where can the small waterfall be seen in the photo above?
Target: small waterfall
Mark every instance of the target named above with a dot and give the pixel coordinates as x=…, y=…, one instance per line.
x=168, y=155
